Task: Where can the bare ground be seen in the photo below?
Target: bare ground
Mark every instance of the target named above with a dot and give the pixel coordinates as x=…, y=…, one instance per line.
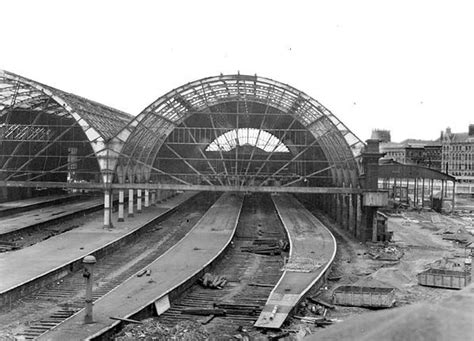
x=418, y=235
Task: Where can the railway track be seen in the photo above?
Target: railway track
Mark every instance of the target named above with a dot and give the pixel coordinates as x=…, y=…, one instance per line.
x=47, y=220
x=250, y=276
x=35, y=314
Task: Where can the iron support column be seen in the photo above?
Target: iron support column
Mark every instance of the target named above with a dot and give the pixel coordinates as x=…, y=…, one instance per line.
x=130, y=202
x=121, y=206
x=139, y=200
x=107, y=208
x=147, y=198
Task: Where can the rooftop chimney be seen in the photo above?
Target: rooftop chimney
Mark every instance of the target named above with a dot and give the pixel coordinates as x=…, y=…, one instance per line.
x=381, y=134
x=471, y=130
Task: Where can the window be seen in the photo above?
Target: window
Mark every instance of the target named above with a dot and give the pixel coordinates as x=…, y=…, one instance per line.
x=247, y=136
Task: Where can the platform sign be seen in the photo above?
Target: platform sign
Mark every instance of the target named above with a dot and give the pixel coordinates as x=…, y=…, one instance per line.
x=162, y=305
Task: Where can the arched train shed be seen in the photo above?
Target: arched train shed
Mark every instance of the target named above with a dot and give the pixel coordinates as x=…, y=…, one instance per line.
x=224, y=133
x=240, y=131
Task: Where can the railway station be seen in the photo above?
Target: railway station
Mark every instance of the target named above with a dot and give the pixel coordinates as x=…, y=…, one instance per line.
x=239, y=178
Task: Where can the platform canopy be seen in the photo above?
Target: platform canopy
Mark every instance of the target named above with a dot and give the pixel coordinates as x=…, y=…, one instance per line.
x=239, y=130
x=50, y=135
x=403, y=171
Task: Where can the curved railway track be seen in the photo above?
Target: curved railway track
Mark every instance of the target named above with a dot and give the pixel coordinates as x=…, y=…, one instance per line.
x=37, y=313
x=250, y=276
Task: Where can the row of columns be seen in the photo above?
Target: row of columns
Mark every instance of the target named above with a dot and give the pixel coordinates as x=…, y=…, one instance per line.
x=141, y=201
x=421, y=188
x=349, y=214
x=345, y=209
x=350, y=211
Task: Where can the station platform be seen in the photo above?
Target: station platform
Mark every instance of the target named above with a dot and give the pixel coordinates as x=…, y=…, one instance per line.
x=206, y=240
x=26, y=267
x=35, y=217
x=12, y=207
x=312, y=251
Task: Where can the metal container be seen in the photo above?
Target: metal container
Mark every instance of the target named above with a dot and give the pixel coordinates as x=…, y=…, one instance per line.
x=442, y=278
x=373, y=297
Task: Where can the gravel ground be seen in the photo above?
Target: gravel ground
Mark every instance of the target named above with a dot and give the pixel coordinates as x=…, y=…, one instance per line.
x=421, y=242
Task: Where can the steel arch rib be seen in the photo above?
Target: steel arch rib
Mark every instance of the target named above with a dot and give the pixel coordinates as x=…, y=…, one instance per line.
x=211, y=91
x=97, y=143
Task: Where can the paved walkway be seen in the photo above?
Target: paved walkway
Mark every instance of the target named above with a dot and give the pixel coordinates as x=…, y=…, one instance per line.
x=21, y=266
x=197, y=249
x=7, y=206
x=312, y=251
x=37, y=216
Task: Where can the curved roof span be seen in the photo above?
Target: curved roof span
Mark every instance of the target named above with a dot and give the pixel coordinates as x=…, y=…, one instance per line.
x=33, y=114
x=95, y=118
x=227, y=102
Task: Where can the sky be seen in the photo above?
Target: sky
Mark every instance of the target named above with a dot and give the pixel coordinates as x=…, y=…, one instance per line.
x=405, y=66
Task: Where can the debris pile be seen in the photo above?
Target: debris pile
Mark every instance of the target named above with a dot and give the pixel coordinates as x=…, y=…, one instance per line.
x=457, y=234
x=385, y=253
x=267, y=247
x=314, y=306
x=150, y=329
x=213, y=281
x=8, y=246
x=222, y=309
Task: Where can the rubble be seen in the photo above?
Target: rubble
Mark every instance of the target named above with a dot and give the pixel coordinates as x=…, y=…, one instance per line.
x=385, y=253
x=8, y=246
x=456, y=233
x=267, y=247
x=213, y=281
x=150, y=329
x=321, y=303
x=318, y=321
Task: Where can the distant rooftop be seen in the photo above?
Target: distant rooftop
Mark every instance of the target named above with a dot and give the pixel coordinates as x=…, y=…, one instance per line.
x=459, y=137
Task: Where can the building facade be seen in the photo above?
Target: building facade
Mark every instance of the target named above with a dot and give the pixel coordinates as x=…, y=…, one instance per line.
x=458, y=158
x=425, y=153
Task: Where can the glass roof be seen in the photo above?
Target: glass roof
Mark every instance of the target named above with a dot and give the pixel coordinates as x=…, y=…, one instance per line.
x=21, y=93
x=247, y=136
x=214, y=98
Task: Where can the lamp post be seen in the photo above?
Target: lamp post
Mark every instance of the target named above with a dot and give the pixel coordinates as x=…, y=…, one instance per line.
x=88, y=262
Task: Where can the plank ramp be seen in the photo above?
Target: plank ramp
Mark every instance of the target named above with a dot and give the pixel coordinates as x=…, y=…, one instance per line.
x=312, y=251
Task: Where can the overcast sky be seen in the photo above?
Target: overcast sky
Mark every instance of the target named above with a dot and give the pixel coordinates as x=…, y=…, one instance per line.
x=407, y=66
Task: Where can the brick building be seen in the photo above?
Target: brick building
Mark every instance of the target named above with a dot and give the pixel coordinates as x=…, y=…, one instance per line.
x=425, y=153
x=458, y=157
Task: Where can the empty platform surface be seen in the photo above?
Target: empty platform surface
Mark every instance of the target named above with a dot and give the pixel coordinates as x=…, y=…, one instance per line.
x=312, y=251
x=22, y=266
x=37, y=216
x=207, y=239
x=7, y=206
